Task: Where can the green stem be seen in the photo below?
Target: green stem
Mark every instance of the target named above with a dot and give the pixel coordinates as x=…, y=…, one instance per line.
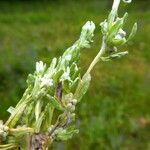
x=21, y=130
x=115, y=5
x=114, y=11
x=97, y=58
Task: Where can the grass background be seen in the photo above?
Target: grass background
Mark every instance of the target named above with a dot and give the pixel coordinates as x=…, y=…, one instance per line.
x=115, y=113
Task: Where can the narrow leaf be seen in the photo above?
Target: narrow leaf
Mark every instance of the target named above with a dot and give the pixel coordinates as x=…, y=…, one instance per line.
x=55, y=103
x=133, y=32
x=82, y=87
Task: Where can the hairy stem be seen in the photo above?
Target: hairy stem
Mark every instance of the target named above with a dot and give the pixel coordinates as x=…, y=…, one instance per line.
x=98, y=56
x=114, y=10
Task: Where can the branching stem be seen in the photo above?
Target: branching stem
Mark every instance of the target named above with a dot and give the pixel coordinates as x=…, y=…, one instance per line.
x=98, y=56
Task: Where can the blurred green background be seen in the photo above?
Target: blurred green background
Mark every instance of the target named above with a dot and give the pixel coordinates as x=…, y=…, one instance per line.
x=115, y=113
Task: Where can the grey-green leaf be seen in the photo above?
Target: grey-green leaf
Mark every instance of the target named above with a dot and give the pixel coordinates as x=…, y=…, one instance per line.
x=10, y=109
x=55, y=102
x=82, y=87
x=66, y=134
x=133, y=32
x=113, y=30
x=114, y=56
x=53, y=64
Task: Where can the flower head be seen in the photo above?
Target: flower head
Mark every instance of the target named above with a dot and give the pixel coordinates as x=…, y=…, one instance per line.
x=46, y=81
x=40, y=67
x=87, y=33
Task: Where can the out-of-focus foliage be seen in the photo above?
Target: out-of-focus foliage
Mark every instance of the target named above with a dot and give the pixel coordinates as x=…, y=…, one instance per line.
x=115, y=112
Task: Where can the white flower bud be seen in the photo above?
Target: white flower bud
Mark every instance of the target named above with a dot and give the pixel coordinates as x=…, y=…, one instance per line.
x=89, y=26
x=68, y=57
x=69, y=106
x=104, y=27
x=87, y=34
x=74, y=101
x=66, y=75
x=72, y=108
x=122, y=32
x=40, y=66
x=73, y=116
x=118, y=37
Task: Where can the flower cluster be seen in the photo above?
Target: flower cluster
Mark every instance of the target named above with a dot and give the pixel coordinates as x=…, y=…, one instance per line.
x=112, y=28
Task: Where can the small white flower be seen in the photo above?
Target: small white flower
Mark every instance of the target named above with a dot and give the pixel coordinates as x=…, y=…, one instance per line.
x=104, y=27
x=40, y=66
x=122, y=32
x=68, y=57
x=121, y=35
x=118, y=37
x=89, y=26
x=46, y=81
x=66, y=75
x=87, y=33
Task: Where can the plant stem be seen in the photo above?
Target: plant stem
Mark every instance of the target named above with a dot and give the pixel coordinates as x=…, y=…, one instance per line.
x=114, y=11
x=97, y=58
x=115, y=5
x=13, y=131
x=103, y=46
